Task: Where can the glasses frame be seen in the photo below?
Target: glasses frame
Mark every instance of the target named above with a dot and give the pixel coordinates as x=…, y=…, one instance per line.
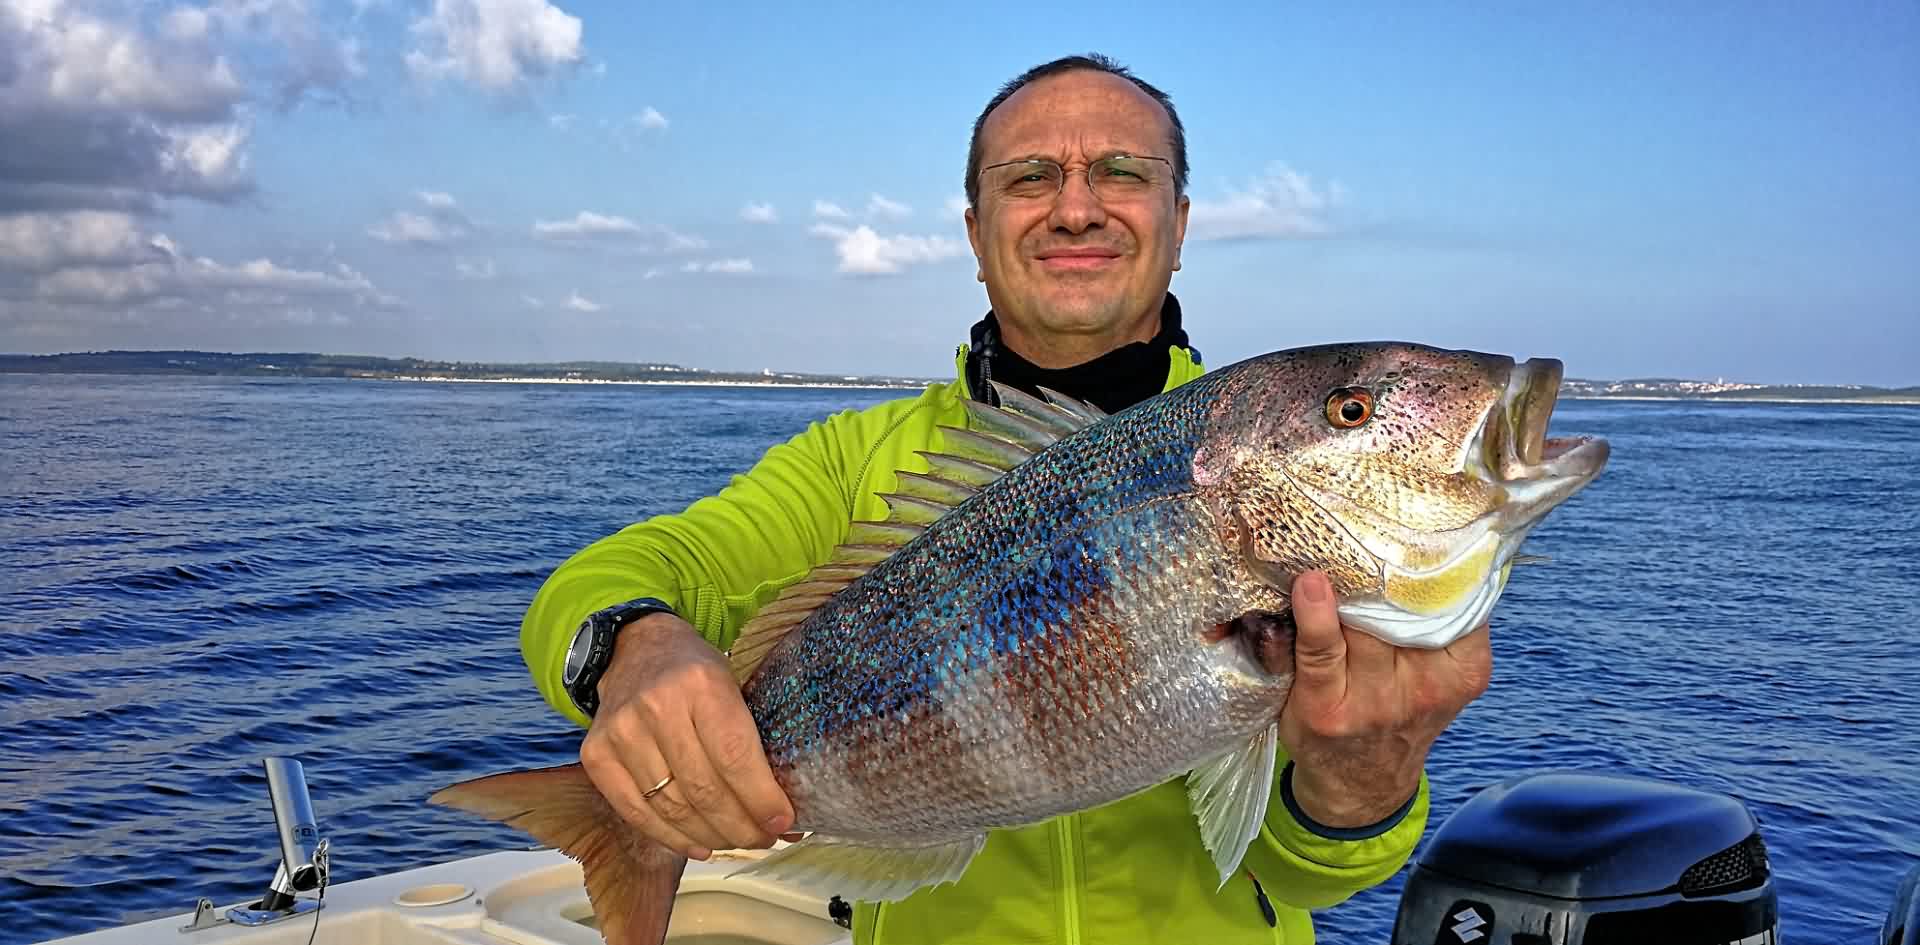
x=1086, y=172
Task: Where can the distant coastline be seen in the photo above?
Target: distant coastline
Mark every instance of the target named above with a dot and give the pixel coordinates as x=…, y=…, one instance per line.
x=1722, y=391
x=362, y=367
x=418, y=370
x=1912, y=400
x=853, y=383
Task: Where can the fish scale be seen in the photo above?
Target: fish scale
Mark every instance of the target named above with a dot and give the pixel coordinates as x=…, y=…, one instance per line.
x=1023, y=722
x=1069, y=591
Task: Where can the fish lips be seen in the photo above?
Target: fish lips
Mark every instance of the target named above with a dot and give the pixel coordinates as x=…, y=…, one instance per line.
x=1512, y=447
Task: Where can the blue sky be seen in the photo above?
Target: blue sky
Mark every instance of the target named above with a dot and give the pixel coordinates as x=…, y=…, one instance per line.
x=1693, y=189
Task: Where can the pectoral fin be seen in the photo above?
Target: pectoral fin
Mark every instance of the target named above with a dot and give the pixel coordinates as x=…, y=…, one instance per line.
x=1229, y=796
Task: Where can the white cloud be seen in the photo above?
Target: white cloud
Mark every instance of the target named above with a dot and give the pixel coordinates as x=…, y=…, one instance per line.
x=957, y=206
x=589, y=229
x=495, y=44
x=67, y=58
x=443, y=222
x=829, y=211
x=405, y=227
x=172, y=276
x=110, y=105
x=41, y=242
x=183, y=24
x=532, y=302
x=881, y=207
x=313, y=57
x=759, y=213
x=580, y=303
x=731, y=266
x=97, y=114
x=584, y=224
x=212, y=156
x=465, y=269
x=652, y=119
x=1282, y=203
x=864, y=251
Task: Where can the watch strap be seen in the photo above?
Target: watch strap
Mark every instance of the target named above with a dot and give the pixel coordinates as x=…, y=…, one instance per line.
x=600, y=628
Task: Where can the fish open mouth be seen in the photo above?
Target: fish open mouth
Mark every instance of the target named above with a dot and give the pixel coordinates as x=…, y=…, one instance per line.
x=1513, y=446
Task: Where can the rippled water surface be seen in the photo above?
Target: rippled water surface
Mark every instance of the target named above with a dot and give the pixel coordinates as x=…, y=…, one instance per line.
x=201, y=572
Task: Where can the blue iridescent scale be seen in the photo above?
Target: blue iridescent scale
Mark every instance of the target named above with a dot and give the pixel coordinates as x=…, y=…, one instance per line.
x=983, y=616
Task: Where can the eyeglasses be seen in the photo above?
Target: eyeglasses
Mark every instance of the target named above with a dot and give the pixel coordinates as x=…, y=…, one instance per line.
x=1114, y=178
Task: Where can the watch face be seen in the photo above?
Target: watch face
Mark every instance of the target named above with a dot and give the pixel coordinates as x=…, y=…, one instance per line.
x=576, y=656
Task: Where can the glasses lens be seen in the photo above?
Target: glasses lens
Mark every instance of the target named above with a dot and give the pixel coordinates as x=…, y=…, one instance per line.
x=1025, y=180
x=1125, y=176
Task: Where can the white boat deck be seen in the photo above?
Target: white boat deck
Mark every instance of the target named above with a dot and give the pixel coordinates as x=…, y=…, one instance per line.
x=518, y=897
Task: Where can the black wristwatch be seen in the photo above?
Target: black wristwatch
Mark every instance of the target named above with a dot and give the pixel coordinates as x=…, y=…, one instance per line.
x=592, y=648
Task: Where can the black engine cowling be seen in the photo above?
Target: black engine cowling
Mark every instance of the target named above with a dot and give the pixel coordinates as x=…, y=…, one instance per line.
x=1581, y=858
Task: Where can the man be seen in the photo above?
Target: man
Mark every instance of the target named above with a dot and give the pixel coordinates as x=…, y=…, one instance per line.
x=1077, y=256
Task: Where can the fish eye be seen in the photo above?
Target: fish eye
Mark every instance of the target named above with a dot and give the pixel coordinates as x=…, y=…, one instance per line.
x=1349, y=407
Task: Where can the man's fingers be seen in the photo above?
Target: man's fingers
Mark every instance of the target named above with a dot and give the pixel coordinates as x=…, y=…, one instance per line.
x=615, y=782
x=664, y=754
x=699, y=801
x=732, y=741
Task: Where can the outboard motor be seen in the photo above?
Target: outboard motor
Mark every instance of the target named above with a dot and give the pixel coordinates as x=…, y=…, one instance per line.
x=1576, y=858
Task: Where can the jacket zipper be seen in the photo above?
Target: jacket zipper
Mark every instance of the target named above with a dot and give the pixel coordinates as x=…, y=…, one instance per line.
x=1065, y=831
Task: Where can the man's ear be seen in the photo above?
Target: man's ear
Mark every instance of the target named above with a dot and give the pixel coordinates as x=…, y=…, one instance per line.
x=973, y=240
x=1180, y=208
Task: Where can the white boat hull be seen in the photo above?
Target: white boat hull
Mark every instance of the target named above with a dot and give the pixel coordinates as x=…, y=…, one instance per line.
x=518, y=897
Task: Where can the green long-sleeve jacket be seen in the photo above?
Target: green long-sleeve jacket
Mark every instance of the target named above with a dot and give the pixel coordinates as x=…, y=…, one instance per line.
x=1133, y=871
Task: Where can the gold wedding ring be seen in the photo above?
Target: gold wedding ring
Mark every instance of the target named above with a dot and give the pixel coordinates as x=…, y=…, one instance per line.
x=649, y=792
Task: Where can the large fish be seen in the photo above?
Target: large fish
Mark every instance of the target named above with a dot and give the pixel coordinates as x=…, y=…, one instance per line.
x=1068, y=608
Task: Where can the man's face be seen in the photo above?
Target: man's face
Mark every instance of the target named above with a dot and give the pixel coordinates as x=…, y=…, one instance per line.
x=1077, y=263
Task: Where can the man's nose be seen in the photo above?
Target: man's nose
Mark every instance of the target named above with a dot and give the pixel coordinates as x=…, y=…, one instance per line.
x=1075, y=207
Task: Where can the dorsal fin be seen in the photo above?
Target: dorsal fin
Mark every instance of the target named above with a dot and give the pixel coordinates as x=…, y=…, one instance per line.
x=1021, y=426
x=1007, y=436
x=913, y=509
x=969, y=473
x=889, y=532
x=1058, y=412
x=1085, y=412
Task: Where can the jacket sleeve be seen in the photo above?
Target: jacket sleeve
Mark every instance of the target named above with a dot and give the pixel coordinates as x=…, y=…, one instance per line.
x=717, y=562
x=1315, y=867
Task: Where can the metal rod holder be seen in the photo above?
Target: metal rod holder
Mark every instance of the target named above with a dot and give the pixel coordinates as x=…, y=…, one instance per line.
x=303, y=856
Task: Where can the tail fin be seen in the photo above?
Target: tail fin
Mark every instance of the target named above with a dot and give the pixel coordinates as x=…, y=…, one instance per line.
x=631, y=880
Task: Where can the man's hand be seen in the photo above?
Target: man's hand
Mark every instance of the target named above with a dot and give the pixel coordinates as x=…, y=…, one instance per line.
x=669, y=706
x=1363, y=714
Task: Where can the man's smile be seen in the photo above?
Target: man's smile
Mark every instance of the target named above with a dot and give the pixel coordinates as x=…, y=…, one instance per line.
x=1077, y=258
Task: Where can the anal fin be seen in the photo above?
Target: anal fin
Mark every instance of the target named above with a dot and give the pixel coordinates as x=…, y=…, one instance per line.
x=1229, y=796
x=865, y=873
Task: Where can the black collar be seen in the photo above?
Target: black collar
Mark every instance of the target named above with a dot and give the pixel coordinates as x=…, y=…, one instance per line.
x=1113, y=381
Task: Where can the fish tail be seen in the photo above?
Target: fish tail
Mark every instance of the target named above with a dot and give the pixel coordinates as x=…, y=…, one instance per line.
x=631, y=880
